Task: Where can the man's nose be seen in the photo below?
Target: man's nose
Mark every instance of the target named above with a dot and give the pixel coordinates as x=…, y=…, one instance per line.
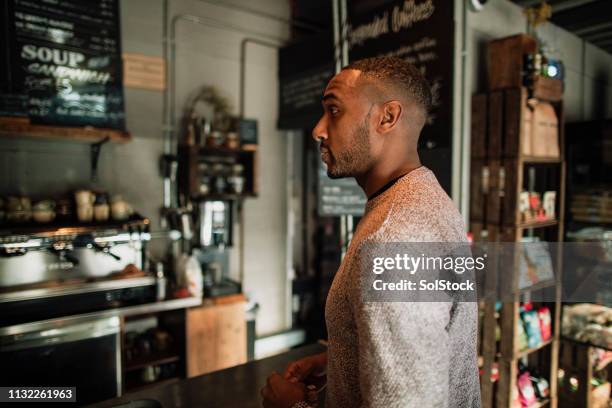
x=319, y=132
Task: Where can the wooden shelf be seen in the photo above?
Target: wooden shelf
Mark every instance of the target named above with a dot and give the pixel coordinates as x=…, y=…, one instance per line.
x=21, y=127
x=222, y=151
x=524, y=353
x=591, y=220
x=539, y=160
x=542, y=403
x=538, y=224
x=540, y=285
x=223, y=197
x=163, y=358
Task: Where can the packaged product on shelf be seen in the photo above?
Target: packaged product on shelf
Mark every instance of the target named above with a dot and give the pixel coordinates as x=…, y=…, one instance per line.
x=524, y=207
x=549, y=202
x=545, y=131
x=545, y=323
x=532, y=328
x=527, y=395
x=536, y=263
x=522, y=336
x=588, y=323
x=541, y=387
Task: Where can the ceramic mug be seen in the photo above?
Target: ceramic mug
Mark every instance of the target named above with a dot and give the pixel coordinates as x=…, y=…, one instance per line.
x=85, y=213
x=84, y=197
x=120, y=209
x=101, y=212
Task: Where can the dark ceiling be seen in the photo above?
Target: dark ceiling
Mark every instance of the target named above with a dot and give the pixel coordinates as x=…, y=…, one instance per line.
x=589, y=19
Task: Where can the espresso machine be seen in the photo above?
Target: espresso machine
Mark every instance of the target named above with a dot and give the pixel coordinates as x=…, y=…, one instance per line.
x=68, y=271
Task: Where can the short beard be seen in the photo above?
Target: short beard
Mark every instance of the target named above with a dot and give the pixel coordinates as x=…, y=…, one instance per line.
x=354, y=161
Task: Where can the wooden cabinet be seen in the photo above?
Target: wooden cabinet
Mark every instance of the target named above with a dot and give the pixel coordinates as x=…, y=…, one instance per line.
x=216, y=336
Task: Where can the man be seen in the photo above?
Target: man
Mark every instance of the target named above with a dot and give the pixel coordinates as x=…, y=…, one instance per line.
x=386, y=354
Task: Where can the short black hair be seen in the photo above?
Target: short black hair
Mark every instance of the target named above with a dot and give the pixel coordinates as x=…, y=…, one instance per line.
x=395, y=73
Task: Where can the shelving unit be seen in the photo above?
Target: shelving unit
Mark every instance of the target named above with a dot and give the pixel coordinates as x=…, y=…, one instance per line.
x=190, y=156
x=169, y=362
x=502, y=167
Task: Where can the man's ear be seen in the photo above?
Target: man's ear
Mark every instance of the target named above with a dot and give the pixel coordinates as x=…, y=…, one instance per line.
x=390, y=115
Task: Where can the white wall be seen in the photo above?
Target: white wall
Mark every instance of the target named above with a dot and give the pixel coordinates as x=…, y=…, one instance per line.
x=205, y=56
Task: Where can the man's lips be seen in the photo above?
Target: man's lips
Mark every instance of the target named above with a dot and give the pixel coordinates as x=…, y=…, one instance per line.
x=325, y=154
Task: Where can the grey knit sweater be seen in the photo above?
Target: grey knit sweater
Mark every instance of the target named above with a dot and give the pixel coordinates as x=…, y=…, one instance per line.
x=401, y=354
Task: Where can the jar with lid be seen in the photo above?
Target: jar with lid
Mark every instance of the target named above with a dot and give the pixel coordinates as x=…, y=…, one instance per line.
x=219, y=174
x=232, y=141
x=214, y=139
x=204, y=176
x=236, y=179
x=203, y=131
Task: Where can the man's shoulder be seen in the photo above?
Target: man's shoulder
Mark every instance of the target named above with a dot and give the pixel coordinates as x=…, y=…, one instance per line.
x=422, y=211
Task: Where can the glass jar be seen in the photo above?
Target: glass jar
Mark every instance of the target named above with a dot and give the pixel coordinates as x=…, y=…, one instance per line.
x=236, y=179
x=214, y=139
x=219, y=174
x=232, y=141
x=204, y=176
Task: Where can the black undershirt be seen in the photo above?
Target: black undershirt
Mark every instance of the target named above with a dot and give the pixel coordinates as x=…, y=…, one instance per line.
x=387, y=186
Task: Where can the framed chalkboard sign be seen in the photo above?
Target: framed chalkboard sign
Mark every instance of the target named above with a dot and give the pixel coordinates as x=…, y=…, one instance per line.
x=305, y=67
x=422, y=33
x=339, y=196
x=62, y=62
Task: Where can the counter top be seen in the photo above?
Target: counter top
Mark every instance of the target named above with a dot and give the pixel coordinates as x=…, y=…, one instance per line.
x=153, y=307
x=233, y=387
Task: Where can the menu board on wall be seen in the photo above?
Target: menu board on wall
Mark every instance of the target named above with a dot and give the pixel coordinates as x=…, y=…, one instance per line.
x=339, y=196
x=305, y=67
x=422, y=33
x=63, y=62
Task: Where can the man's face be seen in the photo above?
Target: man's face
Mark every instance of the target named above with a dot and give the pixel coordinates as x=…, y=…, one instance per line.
x=344, y=128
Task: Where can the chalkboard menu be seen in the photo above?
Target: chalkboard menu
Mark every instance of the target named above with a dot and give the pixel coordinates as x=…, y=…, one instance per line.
x=62, y=62
x=422, y=33
x=305, y=67
x=339, y=196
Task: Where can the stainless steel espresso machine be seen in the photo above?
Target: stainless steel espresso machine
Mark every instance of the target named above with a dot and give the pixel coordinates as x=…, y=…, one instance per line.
x=69, y=271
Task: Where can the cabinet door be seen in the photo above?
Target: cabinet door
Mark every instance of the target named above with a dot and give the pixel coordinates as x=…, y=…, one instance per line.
x=216, y=338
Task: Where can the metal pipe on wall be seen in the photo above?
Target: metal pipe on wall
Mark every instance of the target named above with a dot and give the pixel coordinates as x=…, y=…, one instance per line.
x=243, y=45
x=293, y=23
x=241, y=103
x=169, y=127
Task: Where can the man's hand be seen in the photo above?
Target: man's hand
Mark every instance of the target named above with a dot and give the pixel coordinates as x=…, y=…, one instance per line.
x=300, y=370
x=282, y=393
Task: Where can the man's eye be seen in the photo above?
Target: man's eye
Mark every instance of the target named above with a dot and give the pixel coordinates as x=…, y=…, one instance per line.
x=333, y=110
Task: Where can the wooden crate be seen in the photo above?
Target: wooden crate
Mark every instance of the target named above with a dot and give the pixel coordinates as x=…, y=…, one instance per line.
x=517, y=134
x=505, y=59
x=497, y=178
x=479, y=134
x=575, y=362
x=495, y=125
x=485, y=192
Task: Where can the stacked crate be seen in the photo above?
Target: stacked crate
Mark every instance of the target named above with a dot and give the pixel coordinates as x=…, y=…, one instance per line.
x=507, y=158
